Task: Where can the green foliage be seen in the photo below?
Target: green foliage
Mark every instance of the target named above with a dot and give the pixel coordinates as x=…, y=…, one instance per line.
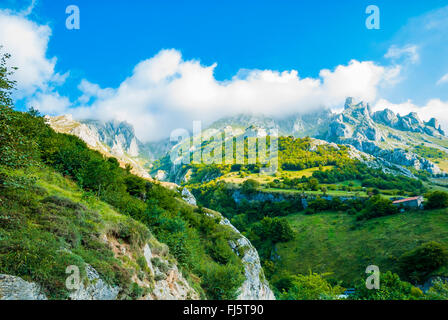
x=429, y=152
x=417, y=264
x=250, y=186
x=221, y=282
x=189, y=235
x=41, y=235
x=298, y=154
x=309, y=287
x=436, y=200
x=369, y=177
x=15, y=149
x=391, y=288
x=377, y=206
x=438, y=291
x=272, y=229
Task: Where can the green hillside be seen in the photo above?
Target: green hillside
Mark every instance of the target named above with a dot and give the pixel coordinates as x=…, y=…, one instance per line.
x=59, y=200
x=336, y=243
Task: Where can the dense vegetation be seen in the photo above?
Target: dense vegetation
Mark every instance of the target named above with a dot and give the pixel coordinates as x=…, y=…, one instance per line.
x=252, y=209
x=58, y=198
x=31, y=236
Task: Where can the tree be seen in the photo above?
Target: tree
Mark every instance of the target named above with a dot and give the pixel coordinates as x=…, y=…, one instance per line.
x=438, y=291
x=310, y=287
x=16, y=149
x=273, y=229
x=313, y=184
x=417, y=264
x=250, y=186
x=437, y=200
x=377, y=206
x=391, y=288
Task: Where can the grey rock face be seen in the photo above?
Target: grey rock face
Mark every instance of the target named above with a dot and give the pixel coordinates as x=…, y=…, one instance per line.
x=188, y=197
x=410, y=122
x=169, y=284
x=119, y=136
x=386, y=117
x=357, y=127
x=96, y=289
x=15, y=288
x=255, y=287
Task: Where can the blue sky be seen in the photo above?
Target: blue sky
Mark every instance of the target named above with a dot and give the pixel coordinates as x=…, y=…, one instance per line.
x=242, y=38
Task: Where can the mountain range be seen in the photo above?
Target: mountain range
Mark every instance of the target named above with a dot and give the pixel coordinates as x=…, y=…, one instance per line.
x=388, y=138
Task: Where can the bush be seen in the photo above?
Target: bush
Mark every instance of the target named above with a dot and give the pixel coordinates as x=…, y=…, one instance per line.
x=417, y=264
x=221, y=282
x=391, y=288
x=250, y=186
x=309, y=287
x=377, y=206
x=437, y=200
x=438, y=291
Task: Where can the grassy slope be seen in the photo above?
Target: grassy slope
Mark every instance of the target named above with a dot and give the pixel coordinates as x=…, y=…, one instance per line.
x=335, y=242
x=234, y=177
x=40, y=238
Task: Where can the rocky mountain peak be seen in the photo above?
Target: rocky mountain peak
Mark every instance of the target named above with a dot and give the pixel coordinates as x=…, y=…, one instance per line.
x=386, y=117
x=433, y=123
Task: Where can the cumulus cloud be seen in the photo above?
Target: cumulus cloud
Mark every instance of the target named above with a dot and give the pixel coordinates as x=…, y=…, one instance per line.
x=50, y=103
x=166, y=92
x=433, y=108
x=27, y=42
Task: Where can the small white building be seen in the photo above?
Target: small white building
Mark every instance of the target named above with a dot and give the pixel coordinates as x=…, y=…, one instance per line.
x=414, y=202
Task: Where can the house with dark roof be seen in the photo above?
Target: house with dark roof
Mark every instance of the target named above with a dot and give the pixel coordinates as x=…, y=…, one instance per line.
x=414, y=202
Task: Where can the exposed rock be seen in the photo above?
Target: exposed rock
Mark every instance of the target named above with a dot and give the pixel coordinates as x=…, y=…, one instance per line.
x=15, y=288
x=111, y=139
x=188, y=197
x=96, y=289
x=169, y=284
x=161, y=175
x=255, y=287
x=386, y=117
x=356, y=126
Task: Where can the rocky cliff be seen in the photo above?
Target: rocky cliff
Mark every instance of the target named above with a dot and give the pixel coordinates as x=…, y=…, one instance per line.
x=255, y=287
x=384, y=134
x=162, y=281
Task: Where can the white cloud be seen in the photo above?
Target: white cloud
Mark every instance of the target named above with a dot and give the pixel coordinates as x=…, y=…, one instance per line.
x=27, y=42
x=443, y=79
x=50, y=103
x=434, y=108
x=408, y=53
x=166, y=92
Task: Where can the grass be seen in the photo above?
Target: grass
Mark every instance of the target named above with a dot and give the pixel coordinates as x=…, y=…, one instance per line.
x=49, y=224
x=334, y=242
x=234, y=177
x=336, y=193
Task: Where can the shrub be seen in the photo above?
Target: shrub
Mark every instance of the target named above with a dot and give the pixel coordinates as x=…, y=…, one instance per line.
x=418, y=263
x=221, y=282
x=250, y=186
x=437, y=200
x=309, y=287
x=391, y=288
x=377, y=206
x=438, y=291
